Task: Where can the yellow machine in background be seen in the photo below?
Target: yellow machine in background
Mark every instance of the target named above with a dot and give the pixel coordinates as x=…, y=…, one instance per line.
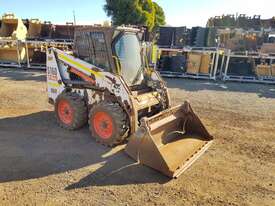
x=35, y=28
x=24, y=42
x=12, y=29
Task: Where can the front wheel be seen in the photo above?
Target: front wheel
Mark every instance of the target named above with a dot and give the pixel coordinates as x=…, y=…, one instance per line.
x=70, y=111
x=108, y=123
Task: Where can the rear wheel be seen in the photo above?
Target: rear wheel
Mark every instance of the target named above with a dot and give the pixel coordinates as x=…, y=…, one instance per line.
x=108, y=123
x=71, y=111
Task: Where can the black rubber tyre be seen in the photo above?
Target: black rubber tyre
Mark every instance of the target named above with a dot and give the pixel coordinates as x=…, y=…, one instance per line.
x=118, y=120
x=74, y=104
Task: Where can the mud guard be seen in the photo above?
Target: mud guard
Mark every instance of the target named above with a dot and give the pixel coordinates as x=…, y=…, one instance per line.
x=170, y=141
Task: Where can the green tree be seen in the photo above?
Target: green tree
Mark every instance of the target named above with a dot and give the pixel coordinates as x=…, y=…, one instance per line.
x=135, y=12
x=160, y=16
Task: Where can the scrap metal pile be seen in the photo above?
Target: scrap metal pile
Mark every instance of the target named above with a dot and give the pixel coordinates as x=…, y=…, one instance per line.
x=241, y=21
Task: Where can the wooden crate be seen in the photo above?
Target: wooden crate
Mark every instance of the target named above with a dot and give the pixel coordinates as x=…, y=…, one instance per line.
x=193, y=63
x=263, y=70
x=205, y=64
x=273, y=70
x=268, y=48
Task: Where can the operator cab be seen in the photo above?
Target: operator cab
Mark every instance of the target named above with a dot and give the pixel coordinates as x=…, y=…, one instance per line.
x=116, y=50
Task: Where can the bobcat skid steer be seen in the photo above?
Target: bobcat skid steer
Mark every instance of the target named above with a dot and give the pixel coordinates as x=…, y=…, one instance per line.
x=107, y=83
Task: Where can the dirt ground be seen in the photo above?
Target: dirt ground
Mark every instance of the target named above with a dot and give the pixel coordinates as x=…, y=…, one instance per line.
x=42, y=164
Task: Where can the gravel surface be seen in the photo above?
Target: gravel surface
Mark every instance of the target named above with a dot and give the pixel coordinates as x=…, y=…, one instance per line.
x=42, y=164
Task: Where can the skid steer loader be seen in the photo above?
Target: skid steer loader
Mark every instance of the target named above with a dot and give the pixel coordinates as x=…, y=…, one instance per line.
x=107, y=83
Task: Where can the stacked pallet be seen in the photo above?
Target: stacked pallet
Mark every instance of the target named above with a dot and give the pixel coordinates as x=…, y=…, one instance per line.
x=198, y=63
x=265, y=70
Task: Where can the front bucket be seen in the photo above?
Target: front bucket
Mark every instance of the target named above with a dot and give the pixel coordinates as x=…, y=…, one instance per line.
x=170, y=141
x=12, y=28
x=34, y=30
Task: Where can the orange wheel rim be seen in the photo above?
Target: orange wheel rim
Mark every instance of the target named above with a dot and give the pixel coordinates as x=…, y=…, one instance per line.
x=65, y=112
x=103, y=125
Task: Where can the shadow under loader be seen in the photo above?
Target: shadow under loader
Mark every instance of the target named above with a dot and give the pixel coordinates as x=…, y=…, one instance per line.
x=34, y=146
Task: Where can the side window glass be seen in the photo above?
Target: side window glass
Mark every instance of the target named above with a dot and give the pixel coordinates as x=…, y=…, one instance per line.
x=81, y=46
x=98, y=49
x=119, y=47
x=128, y=49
